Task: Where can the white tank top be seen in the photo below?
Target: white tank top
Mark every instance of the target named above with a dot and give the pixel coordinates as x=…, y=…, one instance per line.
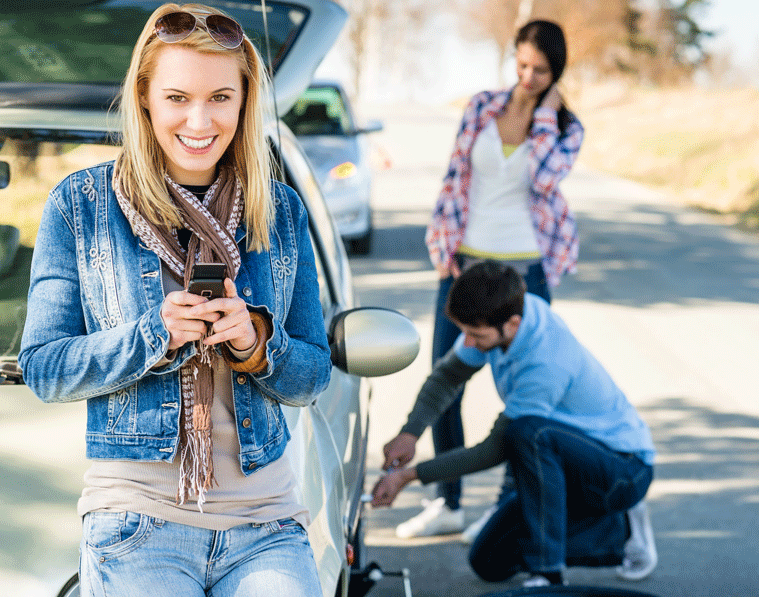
x=499, y=225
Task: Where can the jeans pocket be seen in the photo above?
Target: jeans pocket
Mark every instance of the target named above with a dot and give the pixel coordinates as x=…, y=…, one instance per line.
x=287, y=525
x=114, y=532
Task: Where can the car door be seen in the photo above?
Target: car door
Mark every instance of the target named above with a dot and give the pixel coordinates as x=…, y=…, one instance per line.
x=332, y=444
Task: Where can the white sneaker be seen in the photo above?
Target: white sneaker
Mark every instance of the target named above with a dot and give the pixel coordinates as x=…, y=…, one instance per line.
x=473, y=530
x=538, y=580
x=435, y=519
x=640, y=549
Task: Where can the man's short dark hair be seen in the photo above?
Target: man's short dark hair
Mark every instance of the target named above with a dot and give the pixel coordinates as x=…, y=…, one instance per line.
x=488, y=293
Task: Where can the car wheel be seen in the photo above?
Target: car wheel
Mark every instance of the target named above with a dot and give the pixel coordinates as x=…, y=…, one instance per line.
x=71, y=588
x=359, y=548
x=361, y=245
x=571, y=591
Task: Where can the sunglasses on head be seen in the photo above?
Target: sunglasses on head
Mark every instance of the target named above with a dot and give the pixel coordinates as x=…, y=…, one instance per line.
x=177, y=26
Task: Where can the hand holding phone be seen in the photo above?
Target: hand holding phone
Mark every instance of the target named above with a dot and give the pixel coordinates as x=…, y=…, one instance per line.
x=207, y=279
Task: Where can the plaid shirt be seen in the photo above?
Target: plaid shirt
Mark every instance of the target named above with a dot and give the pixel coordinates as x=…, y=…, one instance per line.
x=550, y=159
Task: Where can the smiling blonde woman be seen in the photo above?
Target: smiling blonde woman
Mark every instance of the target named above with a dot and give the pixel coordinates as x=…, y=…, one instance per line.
x=190, y=491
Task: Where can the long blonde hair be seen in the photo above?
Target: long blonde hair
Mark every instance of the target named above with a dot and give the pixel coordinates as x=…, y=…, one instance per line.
x=141, y=161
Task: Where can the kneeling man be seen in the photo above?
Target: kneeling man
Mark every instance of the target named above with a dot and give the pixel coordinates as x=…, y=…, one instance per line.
x=581, y=456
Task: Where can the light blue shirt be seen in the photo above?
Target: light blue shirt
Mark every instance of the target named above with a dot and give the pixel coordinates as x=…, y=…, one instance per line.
x=547, y=372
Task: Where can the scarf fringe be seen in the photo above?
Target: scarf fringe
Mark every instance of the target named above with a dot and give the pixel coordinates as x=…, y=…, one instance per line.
x=196, y=474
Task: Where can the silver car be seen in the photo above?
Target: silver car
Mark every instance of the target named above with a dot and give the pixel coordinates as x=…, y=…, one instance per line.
x=59, y=75
x=324, y=123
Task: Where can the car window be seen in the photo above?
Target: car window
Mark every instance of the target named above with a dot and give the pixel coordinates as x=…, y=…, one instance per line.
x=35, y=168
x=76, y=41
x=320, y=110
x=297, y=173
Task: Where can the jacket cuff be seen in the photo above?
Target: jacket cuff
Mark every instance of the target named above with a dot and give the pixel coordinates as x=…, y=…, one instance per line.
x=257, y=361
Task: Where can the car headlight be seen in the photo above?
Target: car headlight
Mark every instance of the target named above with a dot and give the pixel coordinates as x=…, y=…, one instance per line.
x=343, y=171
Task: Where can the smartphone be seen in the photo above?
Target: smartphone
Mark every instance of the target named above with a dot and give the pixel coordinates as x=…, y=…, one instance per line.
x=207, y=279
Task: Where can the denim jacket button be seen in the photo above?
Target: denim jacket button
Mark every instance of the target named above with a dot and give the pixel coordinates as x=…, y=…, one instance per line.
x=251, y=466
x=246, y=423
x=241, y=380
x=247, y=291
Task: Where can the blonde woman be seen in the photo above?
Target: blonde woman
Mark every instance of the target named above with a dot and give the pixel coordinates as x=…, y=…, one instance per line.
x=189, y=491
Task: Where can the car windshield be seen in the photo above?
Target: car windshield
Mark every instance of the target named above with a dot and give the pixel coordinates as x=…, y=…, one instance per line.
x=319, y=111
x=85, y=41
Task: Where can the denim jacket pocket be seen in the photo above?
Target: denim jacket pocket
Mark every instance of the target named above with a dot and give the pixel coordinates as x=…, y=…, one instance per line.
x=264, y=422
x=122, y=411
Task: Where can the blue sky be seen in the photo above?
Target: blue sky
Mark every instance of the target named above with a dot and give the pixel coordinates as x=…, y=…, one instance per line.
x=737, y=24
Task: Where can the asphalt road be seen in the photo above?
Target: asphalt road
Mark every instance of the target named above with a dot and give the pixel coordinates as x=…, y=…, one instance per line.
x=665, y=297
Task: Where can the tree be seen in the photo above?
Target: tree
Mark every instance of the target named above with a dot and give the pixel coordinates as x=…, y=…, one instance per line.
x=593, y=29
x=496, y=20
x=360, y=14
x=385, y=29
x=681, y=37
x=660, y=43
x=665, y=42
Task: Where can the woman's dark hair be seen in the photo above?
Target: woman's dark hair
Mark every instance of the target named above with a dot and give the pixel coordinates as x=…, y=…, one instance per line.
x=488, y=293
x=548, y=37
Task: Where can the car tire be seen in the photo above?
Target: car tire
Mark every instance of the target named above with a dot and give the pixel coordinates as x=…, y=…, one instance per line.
x=359, y=547
x=71, y=588
x=569, y=591
x=361, y=245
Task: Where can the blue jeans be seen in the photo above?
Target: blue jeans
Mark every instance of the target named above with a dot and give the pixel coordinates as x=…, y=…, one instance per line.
x=125, y=554
x=569, y=505
x=448, y=431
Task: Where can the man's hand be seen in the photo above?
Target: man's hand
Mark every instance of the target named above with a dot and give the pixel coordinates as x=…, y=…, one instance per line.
x=445, y=272
x=399, y=451
x=389, y=486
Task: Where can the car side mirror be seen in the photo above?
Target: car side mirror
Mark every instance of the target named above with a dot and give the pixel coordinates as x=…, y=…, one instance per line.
x=5, y=174
x=371, y=342
x=373, y=126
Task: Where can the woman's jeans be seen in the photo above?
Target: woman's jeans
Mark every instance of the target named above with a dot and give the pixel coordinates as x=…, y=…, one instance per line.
x=124, y=554
x=448, y=431
x=569, y=505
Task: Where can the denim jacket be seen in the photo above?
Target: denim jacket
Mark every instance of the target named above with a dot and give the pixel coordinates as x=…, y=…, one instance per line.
x=94, y=332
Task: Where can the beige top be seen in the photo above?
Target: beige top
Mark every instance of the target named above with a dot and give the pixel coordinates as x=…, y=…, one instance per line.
x=151, y=487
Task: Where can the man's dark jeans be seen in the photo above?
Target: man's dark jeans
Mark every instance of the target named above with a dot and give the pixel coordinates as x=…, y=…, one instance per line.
x=568, y=507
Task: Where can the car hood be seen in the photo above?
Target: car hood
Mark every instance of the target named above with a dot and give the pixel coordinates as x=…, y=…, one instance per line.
x=67, y=43
x=328, y=151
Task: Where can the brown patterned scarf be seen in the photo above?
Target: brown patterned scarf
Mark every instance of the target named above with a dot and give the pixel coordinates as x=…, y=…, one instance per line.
x=213, y=223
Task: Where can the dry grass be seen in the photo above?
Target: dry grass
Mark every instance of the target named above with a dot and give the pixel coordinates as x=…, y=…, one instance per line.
x=701, y=146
